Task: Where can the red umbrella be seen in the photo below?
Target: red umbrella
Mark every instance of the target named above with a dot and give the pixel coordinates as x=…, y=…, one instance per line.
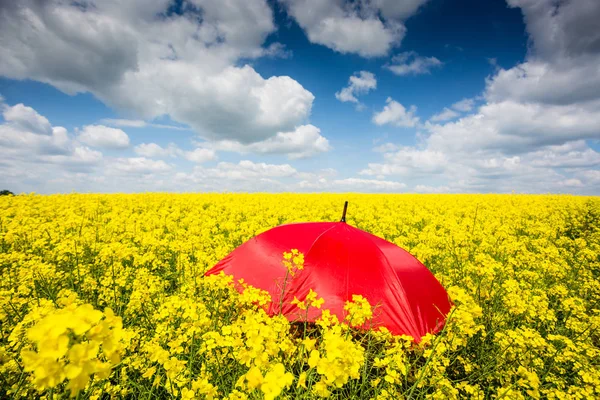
x=341, y=261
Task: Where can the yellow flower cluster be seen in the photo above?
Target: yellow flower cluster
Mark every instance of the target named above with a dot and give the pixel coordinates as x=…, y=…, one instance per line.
x=75, y=343
x=104, y=296
x=359, y=310
x=293, y=261
x=337, y=360
x=311, y=300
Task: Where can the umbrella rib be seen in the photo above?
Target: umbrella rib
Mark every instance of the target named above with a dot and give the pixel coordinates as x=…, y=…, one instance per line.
x=409, y=312
x=317, y=239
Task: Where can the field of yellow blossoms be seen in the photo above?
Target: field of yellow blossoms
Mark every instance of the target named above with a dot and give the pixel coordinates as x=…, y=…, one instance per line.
x=103, y=296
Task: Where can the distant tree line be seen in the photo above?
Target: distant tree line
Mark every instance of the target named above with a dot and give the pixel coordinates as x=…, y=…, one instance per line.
x=6, y=193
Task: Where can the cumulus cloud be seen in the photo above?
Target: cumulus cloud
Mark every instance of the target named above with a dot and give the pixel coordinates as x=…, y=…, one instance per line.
x=410, y=63
x=455, y=111
x=396, y=114
x=153, y=150
x=563, y=66
x=26, y=119
x=358, y=84
x=488, y=152
x=34, y=151
x=59, y=161
x=545, y=170
x=79, y=156
x=386, y=148
x=359, y=185
x=138, y=123
x=248, y=169
x=369, y=184
x=532, y=132
x=445, y=115
x=561, y=29
x=200, y=155
x=180, y=65
x=137, y=165
x=304, y=141
x=513, y=127
x=464, y=105
x=249, y=176
x=277, y=50
x=561, y=82
x=406, y=161
x=104, y=137
x=431, y=189
x=369, y=29
x=575, y=154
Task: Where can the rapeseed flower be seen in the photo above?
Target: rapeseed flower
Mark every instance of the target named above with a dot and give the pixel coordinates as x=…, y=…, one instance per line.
x=104, y=295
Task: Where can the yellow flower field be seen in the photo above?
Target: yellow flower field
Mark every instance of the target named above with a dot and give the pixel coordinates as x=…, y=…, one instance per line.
x=103, y=296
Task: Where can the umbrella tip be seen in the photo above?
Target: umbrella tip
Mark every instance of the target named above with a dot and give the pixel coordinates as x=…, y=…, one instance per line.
x=344, y=213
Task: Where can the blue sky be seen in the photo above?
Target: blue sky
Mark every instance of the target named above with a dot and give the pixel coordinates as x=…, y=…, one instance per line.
x=300, y=95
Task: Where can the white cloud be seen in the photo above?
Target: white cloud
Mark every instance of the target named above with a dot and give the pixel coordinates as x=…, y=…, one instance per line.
x=261, y=177
x=59, y=163
x=235, y=104
x=386, y=148
x=249, y=176
x=532, y=132
x=591, y=177
x=137, y=165
x=561, y=30
x=410, y=63
x=564, y=64
x=181, y=66
x=200, y=155
x=304, y=141
x=456, y=109
x=128, y=123
x=153, y=150
x=23, y=141
x=569, y=155
x=277, y=50
x=575, y=183
x=79, y=156
x=357, y=184
x=244, y=170
x=138, y=123
x=408, y=161
x=432, y=189
x=369, y=29
x=357, y=85
x=514, y=127
x=394, y=9
x=445, y=115
x=103, y=137
x=28, y=134
x=464, y=105
x=34, y=152
x=322, y=174
x=396, y=114
x=27, y=119
x=561, y=82
x=461, y=164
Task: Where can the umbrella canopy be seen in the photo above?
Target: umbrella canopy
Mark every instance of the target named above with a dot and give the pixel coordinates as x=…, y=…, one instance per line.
x=341, y=261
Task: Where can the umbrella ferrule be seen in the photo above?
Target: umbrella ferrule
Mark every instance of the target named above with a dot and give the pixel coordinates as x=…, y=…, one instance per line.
x=344, y=213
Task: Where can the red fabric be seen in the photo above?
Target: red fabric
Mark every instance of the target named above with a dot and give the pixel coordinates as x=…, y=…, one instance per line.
x=339, y=261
